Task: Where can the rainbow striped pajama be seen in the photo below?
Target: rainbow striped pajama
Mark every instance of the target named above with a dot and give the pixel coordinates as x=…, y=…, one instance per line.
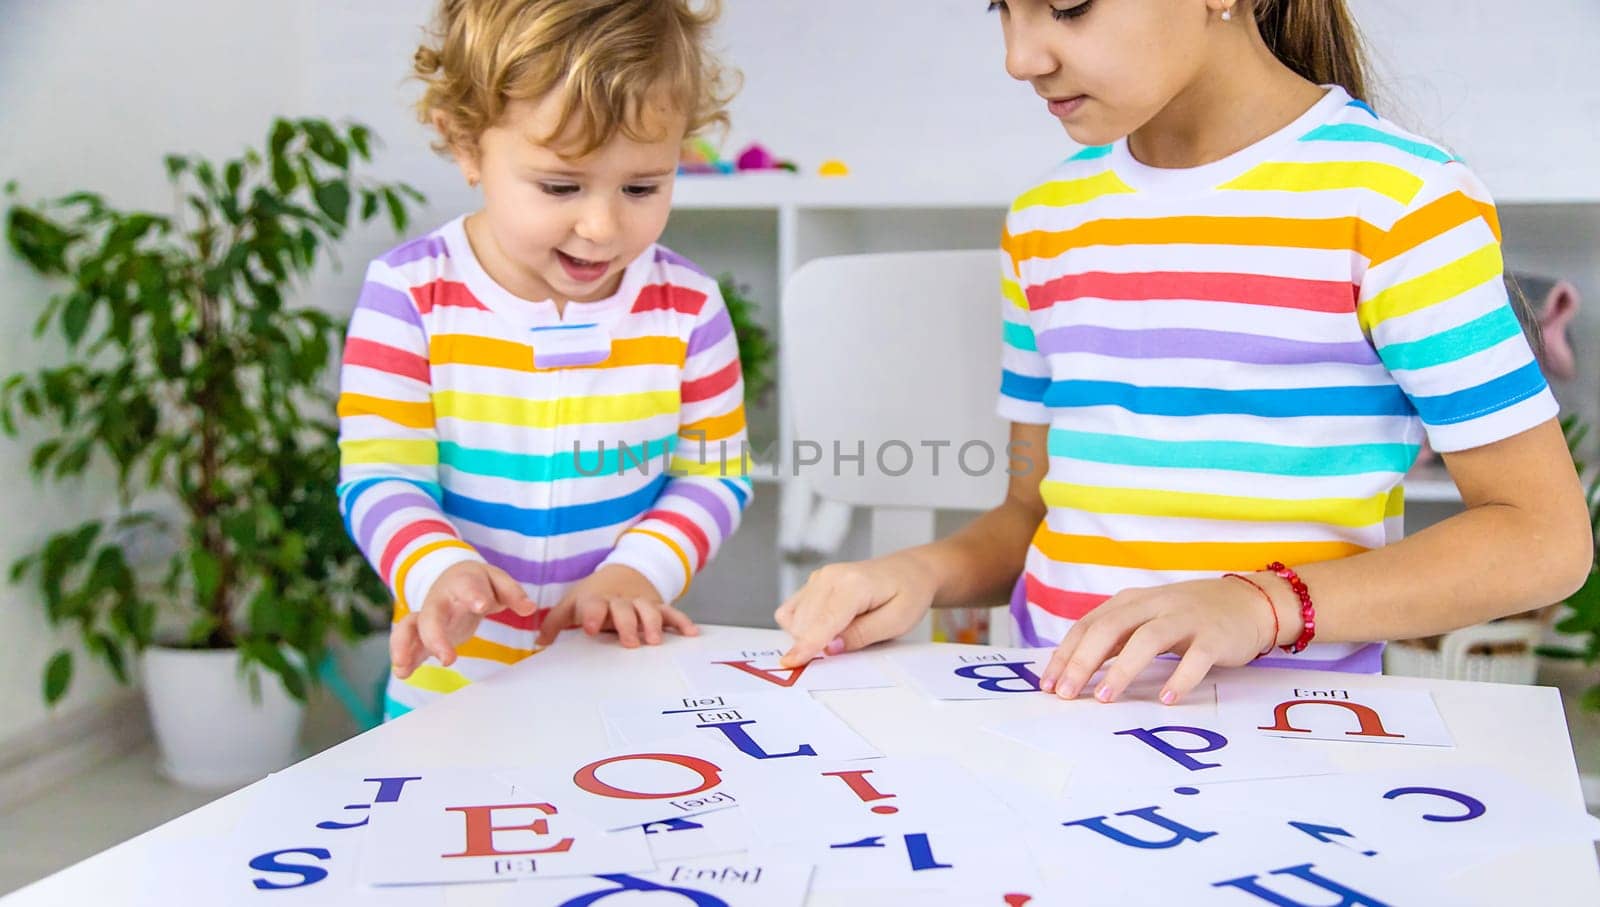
x=475, y=425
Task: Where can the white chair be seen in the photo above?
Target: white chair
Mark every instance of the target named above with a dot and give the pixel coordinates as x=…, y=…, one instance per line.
x=893, y=355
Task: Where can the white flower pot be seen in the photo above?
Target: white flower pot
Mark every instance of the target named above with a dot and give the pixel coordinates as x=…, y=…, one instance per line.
x=213, y=733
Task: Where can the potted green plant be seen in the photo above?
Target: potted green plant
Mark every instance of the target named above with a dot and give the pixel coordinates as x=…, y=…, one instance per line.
x=757, y=351
x=194, y=383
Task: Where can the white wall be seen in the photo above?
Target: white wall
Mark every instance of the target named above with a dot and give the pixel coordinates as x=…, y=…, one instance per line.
x=92, y=94
x=1510, y=87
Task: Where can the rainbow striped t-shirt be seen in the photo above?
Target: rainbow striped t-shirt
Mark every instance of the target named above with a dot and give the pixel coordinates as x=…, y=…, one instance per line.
x=1238, y=362
x=475, y=425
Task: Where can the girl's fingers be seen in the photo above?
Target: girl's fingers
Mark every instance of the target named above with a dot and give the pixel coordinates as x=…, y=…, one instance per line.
x=883, y=622
x=820, y=614
x=1057, y=665
x=1192, y=669
x=1151, y=639
x=1103, y=639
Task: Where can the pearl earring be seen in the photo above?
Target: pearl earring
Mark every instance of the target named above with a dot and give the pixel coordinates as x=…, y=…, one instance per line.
x=1227, y=15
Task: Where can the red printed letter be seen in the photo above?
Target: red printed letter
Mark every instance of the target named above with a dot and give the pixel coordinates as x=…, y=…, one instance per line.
x=587, y=779
x=481, y=829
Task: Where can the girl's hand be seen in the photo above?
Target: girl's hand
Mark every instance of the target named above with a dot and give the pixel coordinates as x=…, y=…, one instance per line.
x=450, y=614
x=1209, y=622
x=617, y=598
x=844, y=607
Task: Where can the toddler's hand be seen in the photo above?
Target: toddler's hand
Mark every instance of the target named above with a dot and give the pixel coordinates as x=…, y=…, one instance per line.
x=617, y=598
x=450, y=613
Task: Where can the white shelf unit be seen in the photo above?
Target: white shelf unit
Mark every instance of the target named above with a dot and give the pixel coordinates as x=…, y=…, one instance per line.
x=761, y=227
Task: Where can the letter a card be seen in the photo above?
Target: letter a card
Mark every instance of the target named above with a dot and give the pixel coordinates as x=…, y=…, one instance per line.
x=1330, y=712
x=974, y=672
x=740, y=670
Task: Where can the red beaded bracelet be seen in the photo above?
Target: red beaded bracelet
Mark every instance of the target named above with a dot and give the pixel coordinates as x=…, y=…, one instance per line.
x=1272, y=609
x=1308, y=613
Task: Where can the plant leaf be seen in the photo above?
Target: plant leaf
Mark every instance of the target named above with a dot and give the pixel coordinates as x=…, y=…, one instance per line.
x=333, y=198
x=57, y=676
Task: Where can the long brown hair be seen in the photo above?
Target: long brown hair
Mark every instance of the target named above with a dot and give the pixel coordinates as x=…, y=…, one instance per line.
x=1317, y=39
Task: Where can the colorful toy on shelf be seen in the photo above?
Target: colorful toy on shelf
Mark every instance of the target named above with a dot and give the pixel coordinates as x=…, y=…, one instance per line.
x=756, y=157
x=833, y=168
x=699, y=156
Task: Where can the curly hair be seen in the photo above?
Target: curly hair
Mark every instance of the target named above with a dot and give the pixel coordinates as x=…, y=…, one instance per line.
x=607, y=59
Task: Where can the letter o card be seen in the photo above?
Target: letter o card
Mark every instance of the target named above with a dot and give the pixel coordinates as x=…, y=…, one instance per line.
x=1407, y=717
x=637, y=784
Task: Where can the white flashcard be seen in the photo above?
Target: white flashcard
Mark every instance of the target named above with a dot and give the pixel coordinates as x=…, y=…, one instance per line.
x=801, y=800
x=1183, y=845
x=763, y=726
x=741, y=670
x=636, y=784
x=1137, y=743
x=316, y=871
x=974, y=672
x=471, y=827
x=976, y=856
x=1407, y=717
x=735, y=881
x=707, y=834
x=299, y=841
x=1415, y=815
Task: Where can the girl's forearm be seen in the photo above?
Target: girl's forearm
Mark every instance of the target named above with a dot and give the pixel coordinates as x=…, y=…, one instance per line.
x=1485, y=563
x=979, y=564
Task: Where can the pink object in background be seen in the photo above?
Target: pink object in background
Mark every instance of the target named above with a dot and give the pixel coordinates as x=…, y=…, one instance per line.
x=1555, y=317
x=1552, y=316
x=757, y=157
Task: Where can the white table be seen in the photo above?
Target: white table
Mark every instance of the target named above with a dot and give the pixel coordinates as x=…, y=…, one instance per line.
x=1518, y=729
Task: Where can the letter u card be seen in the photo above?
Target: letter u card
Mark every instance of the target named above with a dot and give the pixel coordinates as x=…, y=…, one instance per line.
x=1407, y=717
